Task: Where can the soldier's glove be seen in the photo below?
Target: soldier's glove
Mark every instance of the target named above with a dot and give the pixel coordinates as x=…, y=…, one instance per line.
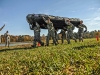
x=65, y=28
x=4, y=24
x=85, y=31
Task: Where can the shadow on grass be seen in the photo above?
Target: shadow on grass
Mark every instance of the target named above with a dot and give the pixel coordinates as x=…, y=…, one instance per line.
x=81, y=47
x=9, y=49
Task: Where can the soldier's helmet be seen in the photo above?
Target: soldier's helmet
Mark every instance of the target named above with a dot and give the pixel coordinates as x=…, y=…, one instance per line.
x=68, y=20
x=48, y=18
x=81, y=21
x=7, y=31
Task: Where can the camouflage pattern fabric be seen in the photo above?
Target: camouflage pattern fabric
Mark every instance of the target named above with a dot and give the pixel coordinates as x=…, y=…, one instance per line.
x=51, y=32
x=63, y=35
x=37, y=35
x=56, y=36
x=81, y=31
x=70, y=28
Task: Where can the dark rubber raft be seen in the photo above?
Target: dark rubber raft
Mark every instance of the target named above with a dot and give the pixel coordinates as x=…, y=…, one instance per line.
x=58, y=22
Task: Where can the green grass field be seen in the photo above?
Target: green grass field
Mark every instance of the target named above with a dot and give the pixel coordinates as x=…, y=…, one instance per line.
x=81, y=58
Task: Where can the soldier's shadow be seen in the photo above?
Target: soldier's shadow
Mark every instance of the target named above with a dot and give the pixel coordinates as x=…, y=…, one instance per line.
x=81, y=47
x=9, y=49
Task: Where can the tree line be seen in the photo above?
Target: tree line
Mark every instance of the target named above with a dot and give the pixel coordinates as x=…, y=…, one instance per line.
x=25, y=38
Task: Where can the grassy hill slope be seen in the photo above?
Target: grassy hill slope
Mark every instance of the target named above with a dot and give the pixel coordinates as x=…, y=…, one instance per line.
x=81, y=58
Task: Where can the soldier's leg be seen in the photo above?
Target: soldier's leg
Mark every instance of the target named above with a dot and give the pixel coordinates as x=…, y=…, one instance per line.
x=34, y=43
x=72, y=36
x=62, y=39
x=5, y=42
x=53, y=37
x=79, y=37
x=0, y=39
x=47, y=39
x=39, y=39
x=35, y=40
x=54, y=41
x=8, y=43
x=42, y=43
x=8, y=39
x=82, y=37
x=57, y=40
x=68, y=38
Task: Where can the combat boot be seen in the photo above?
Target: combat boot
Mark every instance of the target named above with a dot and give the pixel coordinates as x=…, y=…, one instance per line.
x=42, y=44
x=68, y=42
x=33, y=46
x=47, y=44
x=56, y=44
x=82, y=40
x=75, y=40
x=79, y=40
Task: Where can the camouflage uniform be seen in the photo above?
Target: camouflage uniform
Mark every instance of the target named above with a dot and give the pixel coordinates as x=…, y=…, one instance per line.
x=7, y=39
x=81, y=31
x=0, y=30
x=63, y=35
x=36, y=29
x=70, y=28
x=51, y=32
x=56, y=36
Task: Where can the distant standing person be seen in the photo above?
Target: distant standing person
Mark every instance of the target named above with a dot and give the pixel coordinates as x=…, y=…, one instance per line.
x=0, y=30
x=7, y=39
x=81, y=30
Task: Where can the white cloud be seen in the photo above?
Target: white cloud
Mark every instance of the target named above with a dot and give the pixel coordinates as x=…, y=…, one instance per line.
x=93, y=22
x=97, y=18
x=91, y=8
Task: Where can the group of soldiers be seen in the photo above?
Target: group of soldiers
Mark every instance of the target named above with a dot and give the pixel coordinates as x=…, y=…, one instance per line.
x=7, y=37
x=52, y=32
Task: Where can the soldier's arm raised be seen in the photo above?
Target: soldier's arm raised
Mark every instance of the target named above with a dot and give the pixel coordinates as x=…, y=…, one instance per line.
x=44, y=19
x=30, y=26
x=45, y=26
x=73, y=27
x=37, y=24
x=85, y=28
x=2, y=27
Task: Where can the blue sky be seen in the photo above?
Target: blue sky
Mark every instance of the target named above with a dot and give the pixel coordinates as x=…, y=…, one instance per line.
x=13, y=13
